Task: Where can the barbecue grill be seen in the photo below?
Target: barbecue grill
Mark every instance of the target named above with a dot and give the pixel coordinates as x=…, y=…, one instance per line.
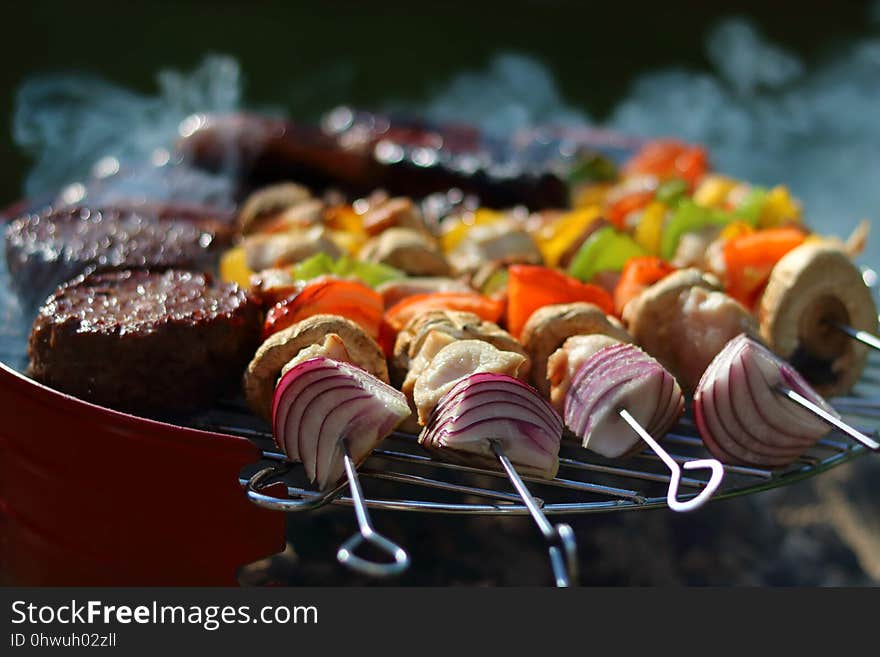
x=89, y=495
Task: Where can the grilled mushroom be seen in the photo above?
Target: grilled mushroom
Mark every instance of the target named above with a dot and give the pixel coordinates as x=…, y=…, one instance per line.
x=279, y=348
x=811, y=289
x=499, y=240
x=684, y=321
x=267, y=202
x=398, y=212
x=408, y=250
x=272, y=250
x=549, y=327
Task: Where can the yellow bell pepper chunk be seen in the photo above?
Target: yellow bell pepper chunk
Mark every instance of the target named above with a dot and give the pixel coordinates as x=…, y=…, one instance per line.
x=343, y=217
x=780, y=207
x=713, y=191
x=458, y=228
x=590, y=195
x=649, y=230
x=735, y=229
x=556, y=238
x=350, y=242
x=233, y=267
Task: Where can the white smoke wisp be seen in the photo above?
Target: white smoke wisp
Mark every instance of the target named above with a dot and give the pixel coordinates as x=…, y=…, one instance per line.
x=763, y=114
x=69, y=123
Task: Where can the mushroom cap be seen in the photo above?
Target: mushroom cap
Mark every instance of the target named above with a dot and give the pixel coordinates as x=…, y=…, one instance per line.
x=459, y=325
x=268, y=201
x=406, y=249
x=279, y=348
x=550, y=326
x=810, y=289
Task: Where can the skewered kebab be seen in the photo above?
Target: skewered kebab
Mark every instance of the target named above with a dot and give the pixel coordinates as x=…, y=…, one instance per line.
x=328, y=414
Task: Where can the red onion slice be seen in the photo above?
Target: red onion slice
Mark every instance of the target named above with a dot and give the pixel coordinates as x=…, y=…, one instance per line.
x=615, y=377
x=485, y=407
x=741, y=416
x=320, y=401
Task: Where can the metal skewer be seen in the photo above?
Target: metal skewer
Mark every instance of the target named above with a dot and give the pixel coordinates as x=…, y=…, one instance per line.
x=836, y=422
x=862, y=336
x=309, y=500
x=672, y=493
x=560, y=538
x=366, y=532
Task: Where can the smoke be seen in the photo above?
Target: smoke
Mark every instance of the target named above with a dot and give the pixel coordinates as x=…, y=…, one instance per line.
x=764, y=115
x=76, y=126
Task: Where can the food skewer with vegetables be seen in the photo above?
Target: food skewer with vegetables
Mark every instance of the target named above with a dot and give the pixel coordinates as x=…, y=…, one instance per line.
x=582, y=360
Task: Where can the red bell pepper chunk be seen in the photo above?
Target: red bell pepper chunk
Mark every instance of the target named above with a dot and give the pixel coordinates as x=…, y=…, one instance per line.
x=530, y=287
x=403, y=311
x=638, y=274
x=668, y=158
x=330, y=296
x=749, y=259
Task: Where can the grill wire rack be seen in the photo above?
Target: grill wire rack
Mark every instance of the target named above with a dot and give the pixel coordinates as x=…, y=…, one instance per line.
x=586, y=483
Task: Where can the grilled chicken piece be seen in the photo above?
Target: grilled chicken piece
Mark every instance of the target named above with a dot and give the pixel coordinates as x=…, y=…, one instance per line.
x=499, y=240
x=333, y=347
x=394, y=291
x=279, y=348
x=549, y=327
x=812, y=288
x=684, y=321
x=268, y=202
x=693, y=248
x=431, y=346
x=273, y=250
x=455, y=362
x=564, y=363
x=408, y=250
x=398, y=212
x=459, y=325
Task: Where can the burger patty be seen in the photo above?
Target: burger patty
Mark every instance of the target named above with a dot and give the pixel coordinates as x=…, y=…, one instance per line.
x=45, y=250
x=141, y=341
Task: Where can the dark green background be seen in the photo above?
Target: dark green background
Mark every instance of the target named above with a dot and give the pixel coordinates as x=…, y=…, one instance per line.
x=308, y=56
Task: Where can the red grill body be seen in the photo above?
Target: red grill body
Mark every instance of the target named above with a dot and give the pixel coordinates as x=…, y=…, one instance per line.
x=91, y=496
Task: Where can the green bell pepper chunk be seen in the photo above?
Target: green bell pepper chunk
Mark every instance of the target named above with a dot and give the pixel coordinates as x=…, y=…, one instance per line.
x=371, y=273
x=321, y=264
x=592, y=168
x=749, y=209
x=671, y=191
x=689, y=218
x=604, y=250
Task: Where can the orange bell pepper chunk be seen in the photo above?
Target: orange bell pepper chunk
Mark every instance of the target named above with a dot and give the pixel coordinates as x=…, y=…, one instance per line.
x=530, y=287
x=397, y=316
x=668, y=158
x=638, y=274
x=749, y=259
x=330, y=296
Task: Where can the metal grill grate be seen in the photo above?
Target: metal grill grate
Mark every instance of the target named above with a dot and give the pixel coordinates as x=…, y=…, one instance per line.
x=586, y=483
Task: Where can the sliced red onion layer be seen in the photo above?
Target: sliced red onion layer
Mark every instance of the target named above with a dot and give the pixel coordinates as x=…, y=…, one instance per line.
x=320, y=401
x=616, y=377
x=741, y=416
x=486, y=407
